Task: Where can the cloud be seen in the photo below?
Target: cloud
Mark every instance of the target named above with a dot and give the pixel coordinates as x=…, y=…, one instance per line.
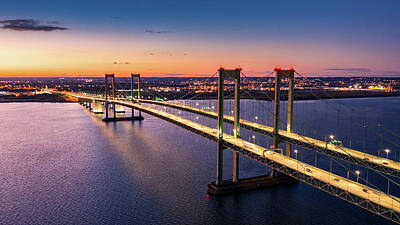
x=157, y=31
x=349, y=69
x=152, y=54
x=29, y=25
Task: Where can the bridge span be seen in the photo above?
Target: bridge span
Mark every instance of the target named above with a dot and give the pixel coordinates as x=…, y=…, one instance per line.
x=366, y=197
x=377, y=163
x=374, y=162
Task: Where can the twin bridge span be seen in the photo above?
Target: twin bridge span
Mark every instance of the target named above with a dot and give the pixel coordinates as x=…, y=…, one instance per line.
x=367, y=197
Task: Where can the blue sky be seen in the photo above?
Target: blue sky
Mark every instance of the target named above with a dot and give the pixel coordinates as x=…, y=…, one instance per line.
x=311, y=35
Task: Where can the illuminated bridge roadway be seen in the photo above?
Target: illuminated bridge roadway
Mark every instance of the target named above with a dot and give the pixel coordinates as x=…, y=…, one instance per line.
x=377, y=163
x=365, y=197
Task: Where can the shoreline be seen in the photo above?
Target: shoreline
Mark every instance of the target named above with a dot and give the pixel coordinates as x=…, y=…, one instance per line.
x=261, y=98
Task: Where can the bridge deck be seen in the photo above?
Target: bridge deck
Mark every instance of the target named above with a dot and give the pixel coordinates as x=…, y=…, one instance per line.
x=366, y=197
x=290, y=166
x=384, y=165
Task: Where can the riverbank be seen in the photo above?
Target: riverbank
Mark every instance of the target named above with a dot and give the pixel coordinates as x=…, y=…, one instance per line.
x=33, y=98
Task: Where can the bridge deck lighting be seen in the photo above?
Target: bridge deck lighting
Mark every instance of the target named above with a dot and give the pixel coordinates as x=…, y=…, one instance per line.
x=387, y=152
x=358, y=174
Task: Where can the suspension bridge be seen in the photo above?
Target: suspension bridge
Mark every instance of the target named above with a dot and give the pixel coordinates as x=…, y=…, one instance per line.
x=345, y=183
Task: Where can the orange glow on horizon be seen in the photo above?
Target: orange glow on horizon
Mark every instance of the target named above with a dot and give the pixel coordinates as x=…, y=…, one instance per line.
x=79, y=54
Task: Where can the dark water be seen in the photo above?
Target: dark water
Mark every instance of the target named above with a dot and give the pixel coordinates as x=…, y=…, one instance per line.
x=59, y=164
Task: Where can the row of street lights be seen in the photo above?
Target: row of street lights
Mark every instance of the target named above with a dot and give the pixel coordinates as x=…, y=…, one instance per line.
x=332, y=137
x=357, y=171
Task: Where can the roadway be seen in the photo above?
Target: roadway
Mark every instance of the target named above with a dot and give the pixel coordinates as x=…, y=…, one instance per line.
x=381, y=164
x=364, y=192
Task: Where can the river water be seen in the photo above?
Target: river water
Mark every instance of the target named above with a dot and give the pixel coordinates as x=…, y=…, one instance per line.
x=61, y=165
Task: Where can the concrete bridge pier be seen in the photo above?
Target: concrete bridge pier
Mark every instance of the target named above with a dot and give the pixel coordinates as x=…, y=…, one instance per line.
x=89, y=105
x=106, y=109
x=86, y=104
x=119, y=108
x=97, y=107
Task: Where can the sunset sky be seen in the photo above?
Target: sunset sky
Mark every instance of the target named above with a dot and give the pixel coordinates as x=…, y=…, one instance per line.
x=192, y=38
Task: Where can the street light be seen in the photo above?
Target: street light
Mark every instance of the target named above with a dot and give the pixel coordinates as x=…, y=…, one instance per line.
x=358, y=174
x=254, y=137
x=326, y=141
x=387, y=153
x=295, y=151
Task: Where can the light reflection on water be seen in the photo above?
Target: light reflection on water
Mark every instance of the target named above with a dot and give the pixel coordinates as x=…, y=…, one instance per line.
x=59, y=164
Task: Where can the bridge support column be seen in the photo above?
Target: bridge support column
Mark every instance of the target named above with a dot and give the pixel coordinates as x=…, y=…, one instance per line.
x=106, y=93
x=290, y=110
x=97, y=107
x=119, y=108
x=106, y=106
x=220, y=148
x=133, y=76
x=276, y=109
x=87, y=105
x=113, y=97
x=220, y=161
x=279, y=74
x=223, y=74
x=220, y=186
x=132, y=94
x=236, y=126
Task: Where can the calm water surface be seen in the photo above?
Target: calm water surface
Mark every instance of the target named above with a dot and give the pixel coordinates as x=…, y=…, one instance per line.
x=61, y=165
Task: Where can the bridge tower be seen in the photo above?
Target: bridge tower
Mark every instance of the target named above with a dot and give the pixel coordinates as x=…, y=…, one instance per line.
x=223, y=74
x=107, y=76
x=279, y=75
x=133, y=76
